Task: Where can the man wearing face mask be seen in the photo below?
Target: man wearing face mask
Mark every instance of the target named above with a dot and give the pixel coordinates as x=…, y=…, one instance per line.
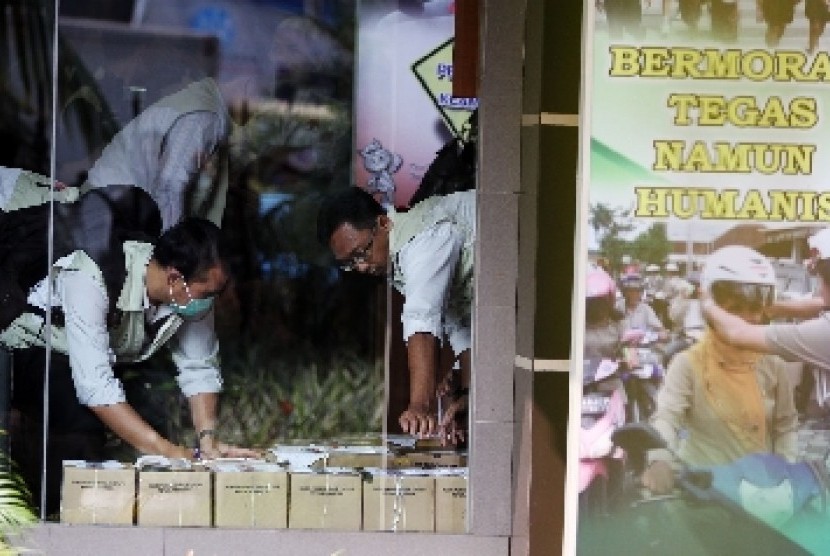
x=115, y=301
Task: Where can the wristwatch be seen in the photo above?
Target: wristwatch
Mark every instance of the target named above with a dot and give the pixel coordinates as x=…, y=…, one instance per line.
x=197, y=451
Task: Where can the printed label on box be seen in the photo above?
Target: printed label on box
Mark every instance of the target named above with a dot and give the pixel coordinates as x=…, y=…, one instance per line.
x=174, y=498
x=91, y=495
x=325, y=501
x=399, y=503
x=450, y=504
x=251, y=499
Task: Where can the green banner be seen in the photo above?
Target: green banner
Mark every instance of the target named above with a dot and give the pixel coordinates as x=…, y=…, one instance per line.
x=704, y=178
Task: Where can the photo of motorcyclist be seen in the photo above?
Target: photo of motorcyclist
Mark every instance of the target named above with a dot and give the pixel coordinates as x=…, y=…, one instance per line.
x=603, y=322
x=725, y=402
x=642, y=343
x=662, y=288
x=653, y=279
x=760, y=504
x=689, y=323
x=638, y=315
x=603, y=396
x=685, y=313
x=805, y=341
x=717, y=407
x=676, y=290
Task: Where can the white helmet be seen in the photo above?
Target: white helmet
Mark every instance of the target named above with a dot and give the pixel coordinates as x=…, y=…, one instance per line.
x=743, y=272
x=652, y=268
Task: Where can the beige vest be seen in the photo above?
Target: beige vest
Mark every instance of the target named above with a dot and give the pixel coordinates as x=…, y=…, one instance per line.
x=127, y=336
x=203, y=95
x=200, y=96
x=460, y=210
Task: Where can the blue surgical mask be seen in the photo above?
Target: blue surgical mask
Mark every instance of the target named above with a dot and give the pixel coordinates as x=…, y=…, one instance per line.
x=194, y=307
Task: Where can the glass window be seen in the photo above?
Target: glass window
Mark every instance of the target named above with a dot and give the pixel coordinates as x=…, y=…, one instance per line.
x=179, y=122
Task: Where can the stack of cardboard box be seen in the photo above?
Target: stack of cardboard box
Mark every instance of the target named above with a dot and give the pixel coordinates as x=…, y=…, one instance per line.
x=379, y=489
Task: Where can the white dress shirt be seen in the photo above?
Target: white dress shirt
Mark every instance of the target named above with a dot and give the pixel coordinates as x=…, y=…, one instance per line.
x=85, y=305
x=429, y=261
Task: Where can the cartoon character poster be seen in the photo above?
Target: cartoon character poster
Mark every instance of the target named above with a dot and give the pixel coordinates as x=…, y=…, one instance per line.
x=404, y=108
x=704, y=176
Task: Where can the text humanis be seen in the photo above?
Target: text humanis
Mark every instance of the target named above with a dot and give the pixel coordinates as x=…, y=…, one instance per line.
x=733, y=204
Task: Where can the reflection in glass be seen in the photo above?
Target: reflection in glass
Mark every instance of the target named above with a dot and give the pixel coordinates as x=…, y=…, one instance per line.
x=243, y=118
x=428, y=253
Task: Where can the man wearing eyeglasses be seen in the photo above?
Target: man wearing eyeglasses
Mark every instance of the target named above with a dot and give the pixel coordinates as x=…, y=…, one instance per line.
x=427, y=253
x=806, y=341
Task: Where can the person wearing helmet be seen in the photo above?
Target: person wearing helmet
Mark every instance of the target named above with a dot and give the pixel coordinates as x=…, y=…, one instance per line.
x=676, y=290
x=675, y=285
x=807, y=341
x=637, y=315
x=729, y=401
x=603, y=328
x=653, y=280
x=685, y=313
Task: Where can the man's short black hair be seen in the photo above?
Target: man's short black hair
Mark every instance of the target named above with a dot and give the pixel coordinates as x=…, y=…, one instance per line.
x=193, y=246
x=353, y=205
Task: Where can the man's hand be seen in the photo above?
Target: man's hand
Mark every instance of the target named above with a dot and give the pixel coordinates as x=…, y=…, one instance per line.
x=203, y=409
x=222, y=450
x=659, y=477
x=451, y=428
x=418, y=420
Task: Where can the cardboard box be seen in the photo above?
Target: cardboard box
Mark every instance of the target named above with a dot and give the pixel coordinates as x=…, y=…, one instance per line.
x=435, y=459
x=330, y=500
x=180, y=498
x=365, y=439
x=250, y=495
x=398, y=501
x=98, y=493
x=451, y=502
x=356, y=457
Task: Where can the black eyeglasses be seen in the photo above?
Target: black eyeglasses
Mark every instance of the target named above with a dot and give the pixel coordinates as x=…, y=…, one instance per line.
x=359, y=256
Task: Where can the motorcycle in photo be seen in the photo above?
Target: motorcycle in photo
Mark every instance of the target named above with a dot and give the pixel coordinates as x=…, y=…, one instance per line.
x=758, y=505
x=603, y=411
